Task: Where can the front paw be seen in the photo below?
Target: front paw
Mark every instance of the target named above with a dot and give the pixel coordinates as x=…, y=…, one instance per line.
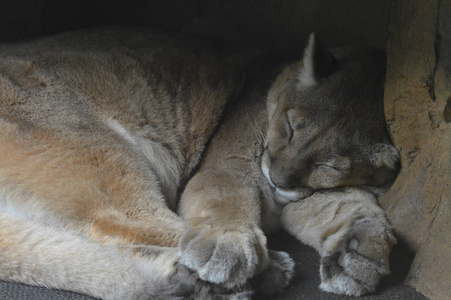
x=186, y=284
x=361, y=259
x=276, y=276
x=224, y=255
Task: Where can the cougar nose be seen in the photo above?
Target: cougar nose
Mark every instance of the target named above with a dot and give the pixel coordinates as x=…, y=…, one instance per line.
x=284, y=186
x=283, y=181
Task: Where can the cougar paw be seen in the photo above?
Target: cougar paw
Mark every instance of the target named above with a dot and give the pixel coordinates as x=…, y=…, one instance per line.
x=361, y=259
x=187, y=284
x=276, y=276
x=224, y=256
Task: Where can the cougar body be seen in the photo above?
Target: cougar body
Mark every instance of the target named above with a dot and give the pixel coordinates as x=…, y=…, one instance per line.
x=142, y=164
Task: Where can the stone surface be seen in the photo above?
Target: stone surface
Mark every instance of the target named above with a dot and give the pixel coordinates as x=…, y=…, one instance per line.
x=418, y=89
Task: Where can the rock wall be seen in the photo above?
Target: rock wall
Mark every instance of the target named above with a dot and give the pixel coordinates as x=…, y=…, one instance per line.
x=418, y=107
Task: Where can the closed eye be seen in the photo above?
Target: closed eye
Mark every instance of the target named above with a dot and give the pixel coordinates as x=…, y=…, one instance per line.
x=289, y=130
x=330, y=167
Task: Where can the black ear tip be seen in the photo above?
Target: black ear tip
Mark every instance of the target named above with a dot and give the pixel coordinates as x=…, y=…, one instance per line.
x=318, y=63
x=312, y=37
x=325, y=62
x=311, y=41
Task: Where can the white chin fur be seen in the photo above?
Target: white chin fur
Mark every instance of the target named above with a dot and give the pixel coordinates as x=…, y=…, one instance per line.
x=286, y=196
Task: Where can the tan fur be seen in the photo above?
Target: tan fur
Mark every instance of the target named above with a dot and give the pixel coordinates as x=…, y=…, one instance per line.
x=102, y=129
x=230, y=192
x=350, y=217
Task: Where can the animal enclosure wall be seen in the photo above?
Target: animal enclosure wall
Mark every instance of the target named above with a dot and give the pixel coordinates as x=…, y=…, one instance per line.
x=281, y=25
x=417, y=36
x=418, y=112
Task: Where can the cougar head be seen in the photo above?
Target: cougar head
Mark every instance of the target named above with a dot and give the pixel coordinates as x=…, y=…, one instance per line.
x=326, y=125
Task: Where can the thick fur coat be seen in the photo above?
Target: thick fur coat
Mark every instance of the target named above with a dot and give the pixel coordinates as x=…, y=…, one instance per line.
x=137, y=164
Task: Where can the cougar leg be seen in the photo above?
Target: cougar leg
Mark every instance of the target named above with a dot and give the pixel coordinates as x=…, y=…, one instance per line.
x=114, y=227
x=100, y=188
x=351, y=233
x=39, y=255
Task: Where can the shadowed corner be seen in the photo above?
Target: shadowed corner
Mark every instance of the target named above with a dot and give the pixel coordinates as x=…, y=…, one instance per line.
x=306, y=280
x=401, y=258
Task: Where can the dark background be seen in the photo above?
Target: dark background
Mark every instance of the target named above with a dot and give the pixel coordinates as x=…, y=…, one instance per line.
x=281, y=25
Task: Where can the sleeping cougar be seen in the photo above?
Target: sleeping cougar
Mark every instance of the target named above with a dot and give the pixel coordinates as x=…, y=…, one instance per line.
x=137, y=164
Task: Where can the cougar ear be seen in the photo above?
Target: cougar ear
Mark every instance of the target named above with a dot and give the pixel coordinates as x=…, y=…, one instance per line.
x=317, y=63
